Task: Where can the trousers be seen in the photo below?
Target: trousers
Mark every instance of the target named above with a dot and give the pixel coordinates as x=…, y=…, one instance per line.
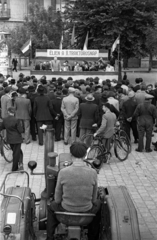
x=84, y=131
x=26, y=127
x=142, y=129
x=58, y=124
x=40, y=131
x=70, y=126
x=17, y=156
x=131, y=125
x=52, y=222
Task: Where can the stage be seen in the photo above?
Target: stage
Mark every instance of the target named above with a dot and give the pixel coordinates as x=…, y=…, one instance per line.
x=75, y=75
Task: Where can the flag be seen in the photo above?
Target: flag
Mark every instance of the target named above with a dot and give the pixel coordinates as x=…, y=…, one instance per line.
x=26, y=47
x=61, y=43
x=73, y=36
x=86, y=43
x=115, y=44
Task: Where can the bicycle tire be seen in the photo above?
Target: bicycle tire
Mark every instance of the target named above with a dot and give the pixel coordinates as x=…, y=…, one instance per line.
x=97, y=152
x=87, y=139
x=123, y=134
x=6, y=151
x=122, y=145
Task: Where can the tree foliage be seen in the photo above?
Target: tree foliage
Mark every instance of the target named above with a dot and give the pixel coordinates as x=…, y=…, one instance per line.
x=43, y=26
x=105, y=20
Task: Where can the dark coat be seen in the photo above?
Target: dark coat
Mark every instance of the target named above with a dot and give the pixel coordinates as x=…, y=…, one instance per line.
x=146, y=113
x=43, y=110
x=56, y=103
x=13, y=128
x=129, y=108
x=31, y=96
x=89, y=114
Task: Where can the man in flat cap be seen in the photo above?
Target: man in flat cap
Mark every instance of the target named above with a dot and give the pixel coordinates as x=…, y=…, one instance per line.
x=146, y=114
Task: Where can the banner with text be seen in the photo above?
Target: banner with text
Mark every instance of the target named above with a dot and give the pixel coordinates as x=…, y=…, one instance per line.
x=72, y=53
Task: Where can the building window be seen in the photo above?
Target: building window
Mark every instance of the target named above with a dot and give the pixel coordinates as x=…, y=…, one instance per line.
x=4, y=11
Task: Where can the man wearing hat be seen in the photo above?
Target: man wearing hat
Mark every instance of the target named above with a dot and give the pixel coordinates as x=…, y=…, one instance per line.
x=128, y=109
x=88, y=114
x=23, y=112
x=69, y=107
x=14, y=138
x=146, y=114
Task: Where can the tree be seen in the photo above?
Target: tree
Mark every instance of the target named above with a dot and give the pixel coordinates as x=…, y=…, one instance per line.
x=105, y=20
x=43, y=26
x=151, y=44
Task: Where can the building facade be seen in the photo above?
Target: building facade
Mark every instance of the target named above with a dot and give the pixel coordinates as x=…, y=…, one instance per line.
x=13, y=12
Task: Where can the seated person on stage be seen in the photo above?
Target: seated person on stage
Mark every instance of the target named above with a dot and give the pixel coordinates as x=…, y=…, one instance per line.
x=106, y=129
x=76, y=191
x=109, y=68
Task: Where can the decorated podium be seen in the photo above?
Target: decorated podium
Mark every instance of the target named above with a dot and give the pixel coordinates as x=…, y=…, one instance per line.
x=46, y=56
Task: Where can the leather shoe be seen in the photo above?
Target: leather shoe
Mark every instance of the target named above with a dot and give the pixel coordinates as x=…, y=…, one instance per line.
x=154, y=143
x=137, y=150
x=149, y=150
x=136, y=141
x=65, y=143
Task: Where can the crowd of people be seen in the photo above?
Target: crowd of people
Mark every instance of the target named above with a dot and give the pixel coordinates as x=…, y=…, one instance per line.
x=55, y=65
x=72, y=108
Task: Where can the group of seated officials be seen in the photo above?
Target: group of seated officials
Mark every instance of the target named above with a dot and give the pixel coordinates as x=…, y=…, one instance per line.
x=55, y=65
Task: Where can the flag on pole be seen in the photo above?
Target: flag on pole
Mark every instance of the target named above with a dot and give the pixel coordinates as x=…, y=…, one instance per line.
x=73, y=36
x=85, y=47
x=26, y=47
x=61, y=43
x=117, y=41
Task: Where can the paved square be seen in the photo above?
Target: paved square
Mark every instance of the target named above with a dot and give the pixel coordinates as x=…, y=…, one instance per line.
x=138, y=173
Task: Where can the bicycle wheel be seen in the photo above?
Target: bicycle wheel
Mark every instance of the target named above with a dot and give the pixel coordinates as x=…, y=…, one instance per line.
x=87, y=139
x=94, y=152
x=6, y=152
x=121, y=148
x=123, y=134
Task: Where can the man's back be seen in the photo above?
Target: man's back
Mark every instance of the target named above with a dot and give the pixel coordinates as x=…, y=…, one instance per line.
x=76, y=188
x=23, y=108
x=70, y=104
x=5, y=104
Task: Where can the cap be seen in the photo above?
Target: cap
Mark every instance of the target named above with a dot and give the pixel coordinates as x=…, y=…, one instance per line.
x=131, y=94
x=71, y=90
x=148, y=97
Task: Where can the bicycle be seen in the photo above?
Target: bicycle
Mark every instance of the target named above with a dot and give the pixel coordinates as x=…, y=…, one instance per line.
x=98, y=151
x=5, y=149
x=89, y=140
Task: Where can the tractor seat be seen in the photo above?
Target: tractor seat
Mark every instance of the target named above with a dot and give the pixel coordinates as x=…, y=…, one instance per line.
x=74, y=219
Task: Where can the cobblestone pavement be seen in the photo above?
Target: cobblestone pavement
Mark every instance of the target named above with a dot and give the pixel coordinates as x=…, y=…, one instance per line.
x=138, y=173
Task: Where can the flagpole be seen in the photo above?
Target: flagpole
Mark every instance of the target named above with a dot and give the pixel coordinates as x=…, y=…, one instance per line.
x=119, y=63
x=30, y=49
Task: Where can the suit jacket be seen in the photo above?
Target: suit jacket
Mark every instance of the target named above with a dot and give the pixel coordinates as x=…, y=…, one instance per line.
x=107, y=125
x=43, y=110
x=70, y=106
x=13, y=129
x=129, y=108
x=5, y=104
x=89, y=114
x=55, y=65
x=23, y=108
x=56, y=103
